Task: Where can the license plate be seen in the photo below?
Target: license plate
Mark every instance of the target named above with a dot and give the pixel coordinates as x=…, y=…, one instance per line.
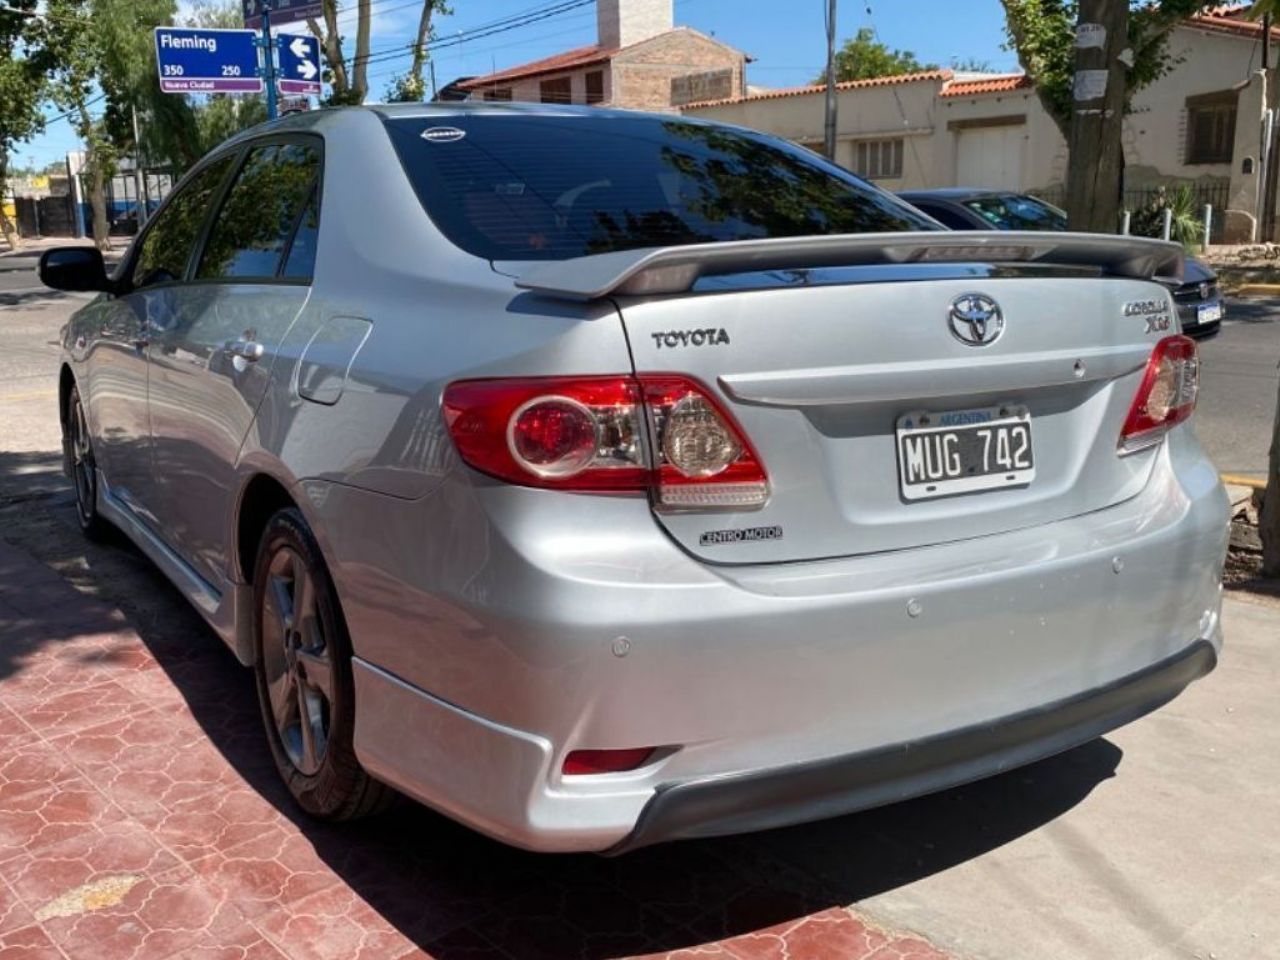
x=964, y=451
x=1209, y=313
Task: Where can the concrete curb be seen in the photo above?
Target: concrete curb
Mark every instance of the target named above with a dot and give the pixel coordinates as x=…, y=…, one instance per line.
x=1238, y=480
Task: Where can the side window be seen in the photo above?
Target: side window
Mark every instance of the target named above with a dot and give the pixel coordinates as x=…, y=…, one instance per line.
x=947, y=217
x=301, y=260
x=167, y=245
x=257, y=218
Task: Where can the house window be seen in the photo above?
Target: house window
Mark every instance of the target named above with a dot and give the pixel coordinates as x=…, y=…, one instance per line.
x=498, y=93
x=878, y=159
x=1211, y=128
x=595, y=86
x=557, y=91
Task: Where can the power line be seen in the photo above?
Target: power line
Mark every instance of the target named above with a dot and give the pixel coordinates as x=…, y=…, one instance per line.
x=67, y=115
x=478, y=33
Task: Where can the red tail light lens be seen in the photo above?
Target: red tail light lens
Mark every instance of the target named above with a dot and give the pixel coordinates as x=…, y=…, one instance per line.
x=585, y=762
x=658, y=432
x=1166, y=396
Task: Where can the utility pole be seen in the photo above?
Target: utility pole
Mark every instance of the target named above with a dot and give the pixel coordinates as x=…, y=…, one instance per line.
x=830, y=125
x=1095, y=166
x=268, y=61
x=139, y=178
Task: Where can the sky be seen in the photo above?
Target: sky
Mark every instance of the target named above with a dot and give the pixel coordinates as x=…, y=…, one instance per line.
x=787, y=40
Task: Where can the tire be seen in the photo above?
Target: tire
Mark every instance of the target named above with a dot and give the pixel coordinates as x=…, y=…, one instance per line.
x=84, y=469
x=302, y=665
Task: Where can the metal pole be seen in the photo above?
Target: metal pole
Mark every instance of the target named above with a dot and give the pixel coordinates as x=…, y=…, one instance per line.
x=1124, y=222
x=1208, y=226
x=139, y=181
x=269, y=61
x=432, y=64
x=1167, y=230
x=830, y=143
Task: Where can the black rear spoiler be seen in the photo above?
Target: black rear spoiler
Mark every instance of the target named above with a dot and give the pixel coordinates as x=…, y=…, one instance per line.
x=659, y=270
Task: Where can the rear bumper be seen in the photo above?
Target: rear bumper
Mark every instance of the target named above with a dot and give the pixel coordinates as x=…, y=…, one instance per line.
x=842, y=785
x=604, y=635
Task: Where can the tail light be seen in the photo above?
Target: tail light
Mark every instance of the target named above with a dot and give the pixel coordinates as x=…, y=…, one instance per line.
x=1167, y=395
x=659, y=433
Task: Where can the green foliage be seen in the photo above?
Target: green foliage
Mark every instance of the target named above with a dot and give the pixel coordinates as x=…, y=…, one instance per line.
x=971, y=65
x=406, y=88
x=22, y=86
x=863, y=56
x=1042, y=33
x=1186, y=227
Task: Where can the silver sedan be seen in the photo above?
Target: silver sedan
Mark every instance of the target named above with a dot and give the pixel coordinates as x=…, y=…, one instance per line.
x=601, y=479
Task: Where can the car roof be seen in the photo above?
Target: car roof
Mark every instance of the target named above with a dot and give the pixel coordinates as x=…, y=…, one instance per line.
x=956, y=193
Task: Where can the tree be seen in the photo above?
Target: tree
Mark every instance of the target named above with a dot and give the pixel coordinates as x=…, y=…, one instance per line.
x=346, y=86
x=971, y=65
x=22, y=88
x=863, y=56
x=73, y=47
x=1134, y=54
x=1269, y=517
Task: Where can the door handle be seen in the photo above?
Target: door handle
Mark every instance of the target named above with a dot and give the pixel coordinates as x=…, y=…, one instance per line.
x=249, y=350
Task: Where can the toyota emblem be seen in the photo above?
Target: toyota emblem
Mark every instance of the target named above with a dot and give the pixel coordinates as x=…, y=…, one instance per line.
x=975, y=320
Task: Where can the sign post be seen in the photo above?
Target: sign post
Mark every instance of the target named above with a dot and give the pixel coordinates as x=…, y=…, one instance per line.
x=192, y=60
x=299, y=65
x=269, y=60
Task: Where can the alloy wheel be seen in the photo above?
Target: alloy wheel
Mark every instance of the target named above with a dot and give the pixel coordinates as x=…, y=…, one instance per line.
x=83, y=467
x=296, y=659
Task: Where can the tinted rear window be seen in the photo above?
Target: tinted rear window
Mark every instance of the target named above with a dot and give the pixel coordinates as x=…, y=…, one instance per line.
x=512, y=187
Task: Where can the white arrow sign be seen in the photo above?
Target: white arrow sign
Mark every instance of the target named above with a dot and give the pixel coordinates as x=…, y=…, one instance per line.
x=299, y=48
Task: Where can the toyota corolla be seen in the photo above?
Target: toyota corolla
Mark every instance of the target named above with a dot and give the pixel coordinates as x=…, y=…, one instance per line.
x=602, y=479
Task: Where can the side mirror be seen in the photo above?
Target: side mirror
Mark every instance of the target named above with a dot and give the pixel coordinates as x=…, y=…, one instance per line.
x=74, y=268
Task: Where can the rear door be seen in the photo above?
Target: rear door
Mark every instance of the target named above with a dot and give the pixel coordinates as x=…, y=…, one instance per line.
x=212, y=363
x=841, y=379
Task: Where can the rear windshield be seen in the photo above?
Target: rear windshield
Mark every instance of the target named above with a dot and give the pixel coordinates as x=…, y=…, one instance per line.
x=513, y=187
x=1018, y=213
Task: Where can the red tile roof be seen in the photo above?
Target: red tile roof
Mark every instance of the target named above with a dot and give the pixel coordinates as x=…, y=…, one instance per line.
x=976, y=85
x=1229, y=20
x=939, y=75
x=580, y=57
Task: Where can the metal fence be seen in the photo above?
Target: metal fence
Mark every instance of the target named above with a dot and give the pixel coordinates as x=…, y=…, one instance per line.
x=1215, y=193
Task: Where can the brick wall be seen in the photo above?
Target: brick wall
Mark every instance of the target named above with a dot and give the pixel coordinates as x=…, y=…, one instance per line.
x=642, y=74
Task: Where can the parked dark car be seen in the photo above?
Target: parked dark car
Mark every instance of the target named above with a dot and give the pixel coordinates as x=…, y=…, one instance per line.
x=1197, y=295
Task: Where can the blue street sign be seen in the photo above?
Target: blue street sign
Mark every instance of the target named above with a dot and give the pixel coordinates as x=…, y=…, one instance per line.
x=282, y=11
x=207, y=61
x=299, y=64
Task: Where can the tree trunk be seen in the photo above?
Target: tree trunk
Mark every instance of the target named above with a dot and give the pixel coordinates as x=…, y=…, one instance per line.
x=420, y=48
x=360, y=66
x=1095, y=161
x=7, y=226
x=331, y=40
x=97, y=182
x=1269, y=517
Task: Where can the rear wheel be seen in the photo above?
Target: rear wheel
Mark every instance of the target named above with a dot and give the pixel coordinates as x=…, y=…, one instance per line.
x=303, y=669
x=84, y=469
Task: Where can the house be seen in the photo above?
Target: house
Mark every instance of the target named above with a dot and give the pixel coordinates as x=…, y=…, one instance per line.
x=640, y=60
x=1201, y=124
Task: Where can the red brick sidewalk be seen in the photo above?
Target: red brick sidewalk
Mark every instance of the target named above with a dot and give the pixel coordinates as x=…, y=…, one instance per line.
x=140, y=818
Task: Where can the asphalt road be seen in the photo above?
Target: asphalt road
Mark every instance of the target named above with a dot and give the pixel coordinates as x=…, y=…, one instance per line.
x=1238, y=394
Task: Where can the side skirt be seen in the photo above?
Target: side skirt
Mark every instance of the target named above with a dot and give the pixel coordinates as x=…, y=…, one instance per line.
x=227, y=612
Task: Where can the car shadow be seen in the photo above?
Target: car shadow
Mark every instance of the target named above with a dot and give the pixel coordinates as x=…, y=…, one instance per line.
x=461, y=896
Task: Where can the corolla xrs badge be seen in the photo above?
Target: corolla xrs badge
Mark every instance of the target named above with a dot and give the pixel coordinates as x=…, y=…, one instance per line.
x=975, y=319
x=710, y=337
x=1155, y=314
x=443, y=134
